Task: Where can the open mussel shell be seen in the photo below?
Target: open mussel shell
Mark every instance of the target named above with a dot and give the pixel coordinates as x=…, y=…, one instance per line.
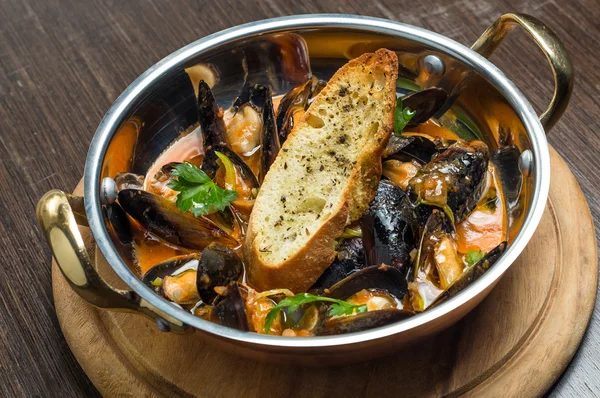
x=350, y=258
x=460, y=172
x=364, y=321
x=162, y=217
x=380, y=277
x=219, y=265
x=210, y=165
x=270, y=144
x=297, y=99
x=425, y=103
x=407, y=148
x=472, y=274
x=389, y=228
x=211, y=125
x=229, y=309
x=313, y=319
x=174, y=265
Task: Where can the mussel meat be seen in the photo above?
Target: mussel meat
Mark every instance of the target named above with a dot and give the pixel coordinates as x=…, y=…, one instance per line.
x=453, y=181
x=219, y=265
x=175, y=278
x=472, y=274
x=162, y=217
x=389, y=228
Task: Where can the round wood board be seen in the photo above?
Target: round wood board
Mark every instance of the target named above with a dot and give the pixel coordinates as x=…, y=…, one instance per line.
x=516, y=342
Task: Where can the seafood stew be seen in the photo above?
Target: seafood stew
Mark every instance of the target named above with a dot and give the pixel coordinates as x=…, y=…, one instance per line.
x=436, y=222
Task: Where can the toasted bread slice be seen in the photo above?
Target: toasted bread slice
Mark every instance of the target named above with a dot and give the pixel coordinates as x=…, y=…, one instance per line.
x=324, y=176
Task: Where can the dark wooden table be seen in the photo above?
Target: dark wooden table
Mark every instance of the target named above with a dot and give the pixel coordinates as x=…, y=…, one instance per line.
x=63, y=62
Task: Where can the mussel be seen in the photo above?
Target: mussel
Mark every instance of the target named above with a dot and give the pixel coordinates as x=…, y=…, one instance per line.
x=407, y=148
x=440, y=271
x=229, y=309
x=350, y=258
x=425, y=103
x=162, y=217
x=294, y=101
x=389, y=228
x=219, y=265
x=472, y=274
x=387, y=283
x=379, y=277
x=453, y=181
x=364, y=321
x=210, y=166
x=175, y=278
x=211, y=124
x=251, y=127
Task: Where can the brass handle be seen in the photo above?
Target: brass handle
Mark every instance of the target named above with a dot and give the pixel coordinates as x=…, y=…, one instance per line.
x=57, y=212
x=548, y=42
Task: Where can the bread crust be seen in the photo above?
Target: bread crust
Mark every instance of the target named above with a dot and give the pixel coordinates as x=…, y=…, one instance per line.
x=300, y=271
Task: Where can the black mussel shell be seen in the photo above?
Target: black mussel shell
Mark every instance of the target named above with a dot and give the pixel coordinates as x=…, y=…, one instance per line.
x=129, y=181
x=119, y=223
x=506, y=160
x=295, y=98
x=407, y=148
x=364, y=321
x=389, y=228
x=270, y=145
x=218, y=266
x=229, y=309
x=212, y=126
x=383, y=277
x=162, y=217
x=299, y=97
x=460, y=171
x=350, y=258
x=425, y=103
x=472, y=274
x=168, y=267
x=436, y=226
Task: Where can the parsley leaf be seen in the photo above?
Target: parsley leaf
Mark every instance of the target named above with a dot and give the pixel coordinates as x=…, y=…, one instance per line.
x=401, y=117
x=197, y=192
x=473, y=257
x=338, y=308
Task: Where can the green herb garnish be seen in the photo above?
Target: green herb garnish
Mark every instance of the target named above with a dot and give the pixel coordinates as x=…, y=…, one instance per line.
x=401, y=117
x=197, y=192
x=473, y=257
x=337, y=308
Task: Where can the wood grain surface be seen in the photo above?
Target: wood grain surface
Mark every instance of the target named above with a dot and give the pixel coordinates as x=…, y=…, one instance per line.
x=516, y=343
x=63, y=62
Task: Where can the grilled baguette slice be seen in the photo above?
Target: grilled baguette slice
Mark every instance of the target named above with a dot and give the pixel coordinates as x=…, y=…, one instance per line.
x=324, y=177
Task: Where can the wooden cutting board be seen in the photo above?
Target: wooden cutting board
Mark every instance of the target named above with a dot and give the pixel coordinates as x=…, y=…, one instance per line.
x=516, y=342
